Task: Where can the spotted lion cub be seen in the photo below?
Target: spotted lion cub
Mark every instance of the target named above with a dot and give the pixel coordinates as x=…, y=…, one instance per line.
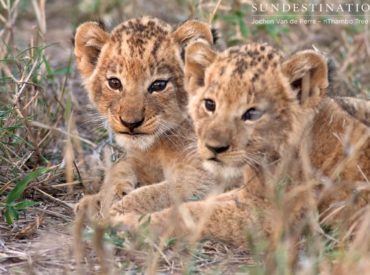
x=134, y=75
x=268, y=117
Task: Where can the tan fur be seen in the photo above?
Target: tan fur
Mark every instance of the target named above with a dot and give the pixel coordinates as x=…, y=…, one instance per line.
x=299, y=138
x=358, y=108
x=137, y=53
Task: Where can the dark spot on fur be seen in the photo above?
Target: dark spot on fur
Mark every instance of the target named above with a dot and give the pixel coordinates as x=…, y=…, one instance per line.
x=151, y=24
x=240, y=66
x=255, y=77
x=156, y=45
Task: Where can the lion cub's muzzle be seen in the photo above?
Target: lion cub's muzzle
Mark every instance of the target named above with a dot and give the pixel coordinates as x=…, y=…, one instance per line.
x=216, y=142
x=217, y=149
x=131, y=125
x=214, y=149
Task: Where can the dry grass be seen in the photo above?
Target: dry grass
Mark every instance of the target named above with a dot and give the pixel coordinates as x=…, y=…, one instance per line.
x=47, y=125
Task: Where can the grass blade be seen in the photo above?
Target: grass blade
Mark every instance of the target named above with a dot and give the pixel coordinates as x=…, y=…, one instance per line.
x=22, y=184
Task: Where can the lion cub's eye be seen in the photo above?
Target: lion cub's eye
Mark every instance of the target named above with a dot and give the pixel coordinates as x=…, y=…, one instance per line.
x=252, y=114
x=210, y=105
x=114, y=83
x=157, y=86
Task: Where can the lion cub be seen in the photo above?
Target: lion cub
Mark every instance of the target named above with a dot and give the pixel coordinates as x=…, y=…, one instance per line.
x=134, y=75
x=257, y=113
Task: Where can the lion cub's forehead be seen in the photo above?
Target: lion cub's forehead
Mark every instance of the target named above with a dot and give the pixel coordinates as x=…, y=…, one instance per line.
x=140, y=38
x=249, y=60
x=241, y=71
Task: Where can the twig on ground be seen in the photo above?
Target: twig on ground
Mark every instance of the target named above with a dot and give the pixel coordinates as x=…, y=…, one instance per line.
x=54, y=214
x=68, y=206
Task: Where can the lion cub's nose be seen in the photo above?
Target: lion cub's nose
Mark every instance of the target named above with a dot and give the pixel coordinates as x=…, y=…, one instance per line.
x=218, y=149
x=132, y=125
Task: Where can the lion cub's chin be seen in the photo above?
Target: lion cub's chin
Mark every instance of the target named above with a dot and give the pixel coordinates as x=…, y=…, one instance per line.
x=141, y=143
x=222, y=170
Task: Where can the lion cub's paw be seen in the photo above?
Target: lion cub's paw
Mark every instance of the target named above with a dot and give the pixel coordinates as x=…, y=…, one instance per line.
x=128, y=204
x=129, y=222
x=90, y=205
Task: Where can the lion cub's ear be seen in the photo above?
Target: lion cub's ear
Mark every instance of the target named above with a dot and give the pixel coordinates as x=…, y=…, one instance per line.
x=193, y=30
x=198, y=56
x=307, y=72
x=89, y=40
